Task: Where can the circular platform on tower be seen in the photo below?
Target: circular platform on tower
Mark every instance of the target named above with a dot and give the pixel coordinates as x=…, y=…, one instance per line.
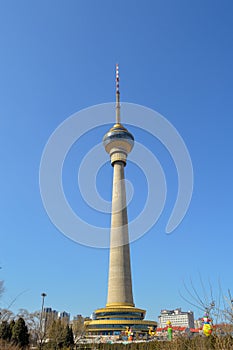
x=116, y=320
x=118, y=142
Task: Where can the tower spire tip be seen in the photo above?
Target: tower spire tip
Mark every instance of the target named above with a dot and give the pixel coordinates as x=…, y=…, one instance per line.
x=117, y=78
x=117, y=95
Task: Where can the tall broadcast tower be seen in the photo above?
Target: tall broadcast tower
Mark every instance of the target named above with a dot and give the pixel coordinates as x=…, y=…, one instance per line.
x=120, y=313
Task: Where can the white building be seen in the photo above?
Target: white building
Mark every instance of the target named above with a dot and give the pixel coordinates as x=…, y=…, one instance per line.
x=177, y=318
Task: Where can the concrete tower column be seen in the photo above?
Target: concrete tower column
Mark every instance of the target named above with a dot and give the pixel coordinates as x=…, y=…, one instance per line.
x=119, y=279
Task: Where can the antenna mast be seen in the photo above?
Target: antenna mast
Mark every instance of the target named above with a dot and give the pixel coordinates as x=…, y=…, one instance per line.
x=118, y=118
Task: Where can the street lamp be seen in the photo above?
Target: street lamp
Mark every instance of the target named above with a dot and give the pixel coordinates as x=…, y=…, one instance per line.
x=42, y=334
x=43, y=296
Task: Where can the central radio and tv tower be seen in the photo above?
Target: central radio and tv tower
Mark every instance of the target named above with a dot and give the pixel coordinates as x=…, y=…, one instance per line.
x=118, y=142
x=120, y=312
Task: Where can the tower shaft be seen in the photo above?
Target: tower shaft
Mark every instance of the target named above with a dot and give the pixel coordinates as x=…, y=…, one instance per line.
x=119, y=280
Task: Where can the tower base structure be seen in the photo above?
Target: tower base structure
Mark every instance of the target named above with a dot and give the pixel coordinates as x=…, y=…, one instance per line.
x=119, y=319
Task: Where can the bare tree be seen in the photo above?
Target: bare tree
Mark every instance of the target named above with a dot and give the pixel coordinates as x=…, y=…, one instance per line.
x=78, y=327
x=32, y=321
x=203, y=298
x=38, y=323
x=6, y=315
x=57, y=334
x=228, y=307
x=218, y=305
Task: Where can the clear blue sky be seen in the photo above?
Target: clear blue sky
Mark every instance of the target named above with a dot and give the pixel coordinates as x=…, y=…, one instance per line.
x=58, y=57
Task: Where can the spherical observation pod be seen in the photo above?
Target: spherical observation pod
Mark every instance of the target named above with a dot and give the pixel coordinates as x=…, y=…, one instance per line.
x=118, y=136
